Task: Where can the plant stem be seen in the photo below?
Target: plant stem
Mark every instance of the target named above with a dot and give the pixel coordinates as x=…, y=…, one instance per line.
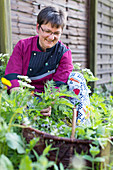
x=93, y=165
x=17, y=125
x=3, y=148
x=0, y=103
x=10, y=122
x=93, y=168
x=73, y=122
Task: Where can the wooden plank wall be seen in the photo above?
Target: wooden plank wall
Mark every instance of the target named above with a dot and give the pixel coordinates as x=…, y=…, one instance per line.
x=105, y=42
x=23, y=17
x=5, y=27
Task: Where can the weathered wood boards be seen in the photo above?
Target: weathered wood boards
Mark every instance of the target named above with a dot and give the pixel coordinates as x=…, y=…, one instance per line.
x=105, y=41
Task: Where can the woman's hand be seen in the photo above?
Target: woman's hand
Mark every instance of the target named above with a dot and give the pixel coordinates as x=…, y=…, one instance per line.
x=46, y=112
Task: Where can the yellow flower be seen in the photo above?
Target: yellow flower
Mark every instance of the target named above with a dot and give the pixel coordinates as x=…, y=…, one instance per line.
x=78, y=120
x=90, y=108
x=6, y=82
x=32, y=93
x=5, y=88
x=86, y=117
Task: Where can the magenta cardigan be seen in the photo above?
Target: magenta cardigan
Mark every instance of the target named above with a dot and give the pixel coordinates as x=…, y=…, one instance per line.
x=29, y=59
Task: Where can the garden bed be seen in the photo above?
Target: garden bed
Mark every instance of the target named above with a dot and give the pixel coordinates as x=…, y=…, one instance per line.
x=65, y=148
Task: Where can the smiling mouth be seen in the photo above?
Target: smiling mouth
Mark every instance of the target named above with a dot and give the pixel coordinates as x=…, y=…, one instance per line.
x=49, y=41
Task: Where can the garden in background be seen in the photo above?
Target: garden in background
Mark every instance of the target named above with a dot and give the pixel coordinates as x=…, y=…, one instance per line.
x=21, y=110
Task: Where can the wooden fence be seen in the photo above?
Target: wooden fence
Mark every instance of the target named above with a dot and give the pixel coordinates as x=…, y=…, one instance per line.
x=104, y=63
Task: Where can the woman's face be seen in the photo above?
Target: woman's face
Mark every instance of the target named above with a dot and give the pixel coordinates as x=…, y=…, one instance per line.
x=48, y=35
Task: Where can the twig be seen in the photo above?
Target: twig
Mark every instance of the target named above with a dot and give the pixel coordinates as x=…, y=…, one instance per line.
x=73, y=122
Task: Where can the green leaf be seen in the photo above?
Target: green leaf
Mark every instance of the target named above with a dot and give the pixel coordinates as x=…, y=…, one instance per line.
x=43, y=161
x=26, y=163
x=61, y=166
x=5, y=163
x=36, y=154
x=94, y=150
x=55, y=167
x=80, y=131
x=50, y=164
x=100, y=130
x=19, y=110
x=89, y=158
x=33, y=142
x=14, y=141
x=46, y=150
x=99, y=159
x=90, y=132
x=66, y=102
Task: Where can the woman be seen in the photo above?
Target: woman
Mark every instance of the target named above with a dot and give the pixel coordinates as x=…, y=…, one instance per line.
x=43, y=57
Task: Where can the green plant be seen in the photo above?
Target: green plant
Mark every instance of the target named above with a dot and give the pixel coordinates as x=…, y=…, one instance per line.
x=19, y=107
x=41, y=162
x=13, y=105
x=88, y=75
x=10, y=143
x=3, y=62
x=5, y=163
x=3, y=132
x=61, y=117
x=8, y=138
x=94, y=151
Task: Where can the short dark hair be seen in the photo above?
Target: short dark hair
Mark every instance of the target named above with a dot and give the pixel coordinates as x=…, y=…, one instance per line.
x=53, y=15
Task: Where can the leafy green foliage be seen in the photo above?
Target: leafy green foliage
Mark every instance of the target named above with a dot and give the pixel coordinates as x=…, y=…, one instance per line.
x=5, y=163
x=11, y=104
x=26, y=163
x=42, y=162
x=3, y=62
x=88, y=75
x=61, y=117
x=15, y=142
x=94, y=151
x=21, y=107
x=55, y=97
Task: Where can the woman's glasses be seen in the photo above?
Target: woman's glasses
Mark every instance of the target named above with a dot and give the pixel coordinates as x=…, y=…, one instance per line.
x=48, y=32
